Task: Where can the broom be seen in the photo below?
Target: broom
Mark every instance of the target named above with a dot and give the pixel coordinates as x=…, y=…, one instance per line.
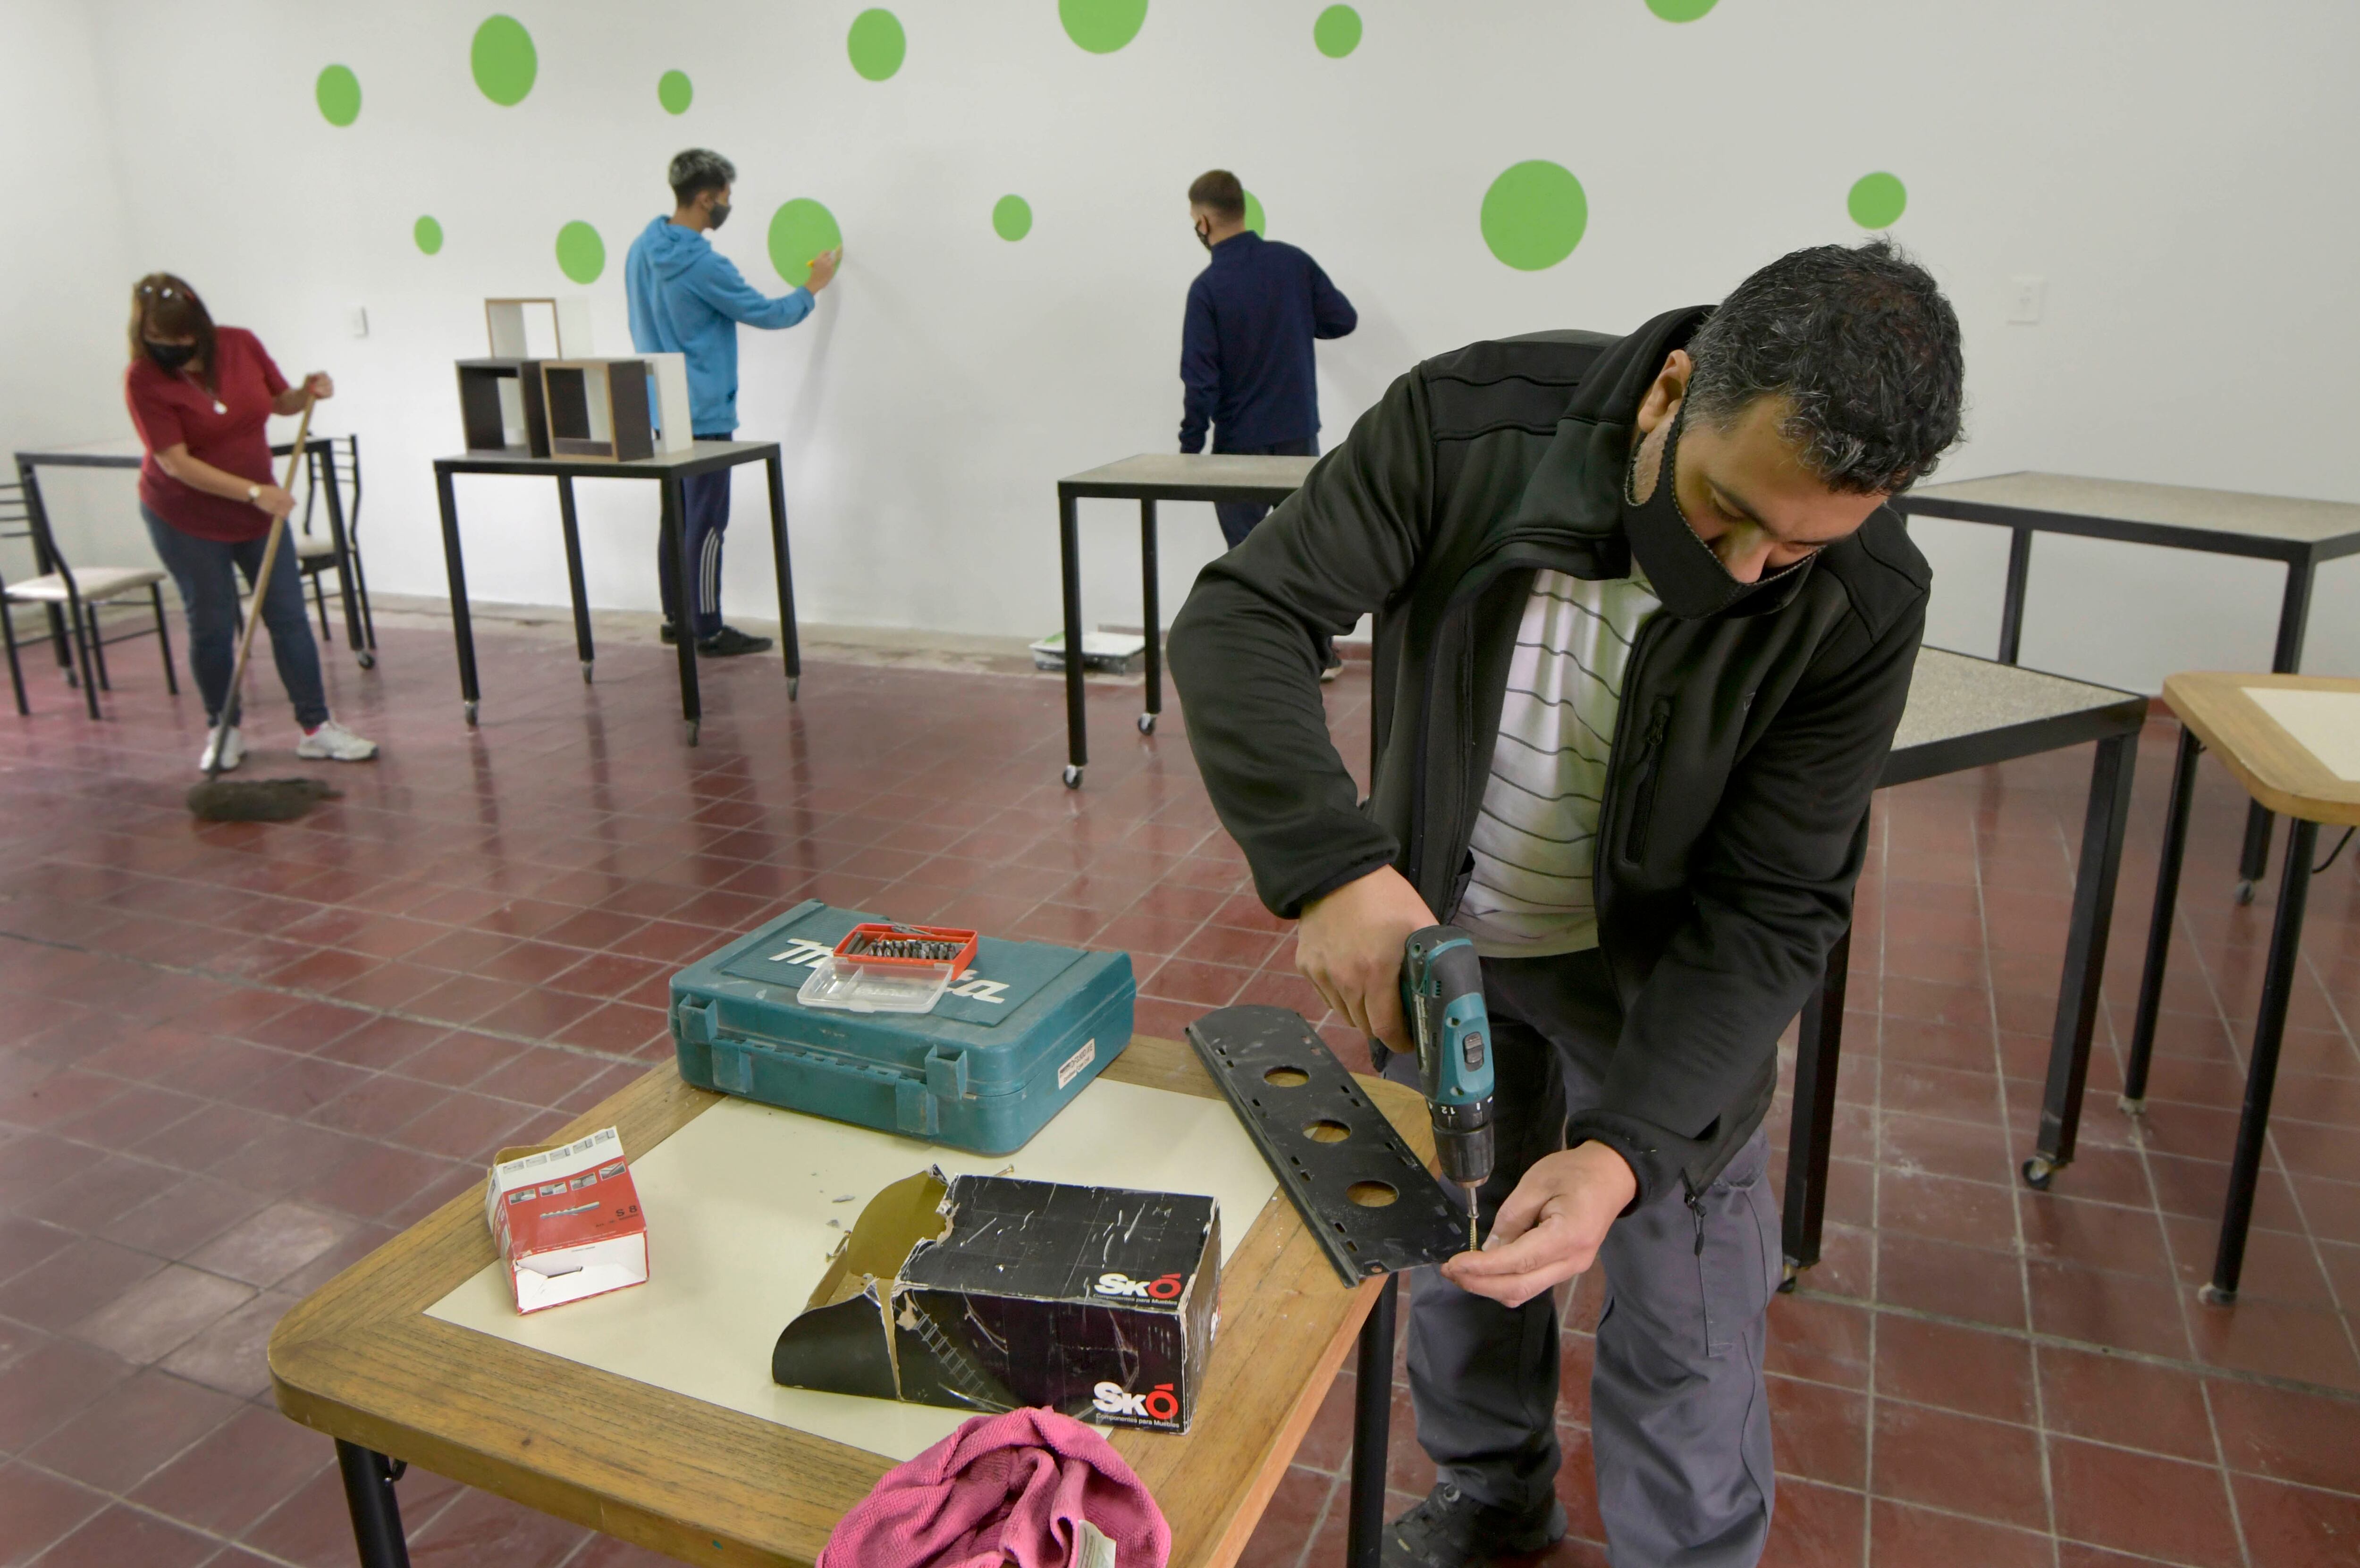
x=257, y=800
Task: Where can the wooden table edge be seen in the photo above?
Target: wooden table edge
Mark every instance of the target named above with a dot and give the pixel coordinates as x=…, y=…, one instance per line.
x=341, y=1414
x=2190, y=694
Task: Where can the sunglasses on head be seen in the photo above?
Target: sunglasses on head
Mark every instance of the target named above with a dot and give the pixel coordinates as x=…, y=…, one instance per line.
x=156, y=291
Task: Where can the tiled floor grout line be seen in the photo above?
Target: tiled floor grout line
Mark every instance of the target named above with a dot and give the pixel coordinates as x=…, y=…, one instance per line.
x=2311, y=1231
x=121, y=1499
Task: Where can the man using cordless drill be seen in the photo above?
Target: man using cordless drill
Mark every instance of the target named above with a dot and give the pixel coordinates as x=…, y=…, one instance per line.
x=1644, y=628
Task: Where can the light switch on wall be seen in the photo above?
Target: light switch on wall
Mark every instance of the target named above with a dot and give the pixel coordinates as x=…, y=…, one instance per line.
x=357, y=320
x=2026, y=296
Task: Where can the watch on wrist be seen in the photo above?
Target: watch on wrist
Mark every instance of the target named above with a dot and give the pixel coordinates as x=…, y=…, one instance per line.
x=253, y=495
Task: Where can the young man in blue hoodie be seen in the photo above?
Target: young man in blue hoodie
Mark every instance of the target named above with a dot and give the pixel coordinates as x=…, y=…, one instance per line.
x=687, y=298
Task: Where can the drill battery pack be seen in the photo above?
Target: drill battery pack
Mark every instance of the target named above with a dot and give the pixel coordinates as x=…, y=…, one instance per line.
x=1011, y=1042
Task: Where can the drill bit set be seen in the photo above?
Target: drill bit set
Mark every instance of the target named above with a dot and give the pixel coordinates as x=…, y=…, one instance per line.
x=889, y=942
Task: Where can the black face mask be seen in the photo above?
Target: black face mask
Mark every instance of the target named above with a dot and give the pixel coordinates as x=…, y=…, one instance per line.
x=1682, y=569
x=171, y=358
x=1205, y=236
x=716, y=214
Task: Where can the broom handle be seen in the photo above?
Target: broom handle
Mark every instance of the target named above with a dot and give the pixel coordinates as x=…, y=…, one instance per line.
x=261, y=586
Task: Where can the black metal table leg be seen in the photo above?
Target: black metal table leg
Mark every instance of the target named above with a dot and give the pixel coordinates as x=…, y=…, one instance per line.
x=2261, y=1074
x=324, y=453
x=1372, y=1414
x=163, y=637
x=2159, y=925
x=1069, y=564
x=2011, y=605
x=376, y=1512
x=1150, y=602
x=783, y=560
x=1810, y=1131
x=674, y=539
x=2085, y=956
x=585, y=649
x=455, y=566
x=2294, y=619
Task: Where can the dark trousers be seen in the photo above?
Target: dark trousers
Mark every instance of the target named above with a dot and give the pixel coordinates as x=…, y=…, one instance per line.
x=705, y=509
x=206, y=572
x=1679, y=1419
x=1237, y=518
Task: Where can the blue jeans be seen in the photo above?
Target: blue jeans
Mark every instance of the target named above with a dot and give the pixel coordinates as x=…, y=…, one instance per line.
x=705, y=517
x=206, y=573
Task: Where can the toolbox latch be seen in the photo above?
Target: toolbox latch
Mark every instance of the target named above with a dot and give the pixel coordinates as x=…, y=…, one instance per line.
x=913, y=1108
x=733, y=1068
x=946, y=1075
x=696, y=1022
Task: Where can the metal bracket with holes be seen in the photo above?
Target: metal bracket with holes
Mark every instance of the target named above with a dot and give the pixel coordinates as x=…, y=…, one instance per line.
x=1374, y=1206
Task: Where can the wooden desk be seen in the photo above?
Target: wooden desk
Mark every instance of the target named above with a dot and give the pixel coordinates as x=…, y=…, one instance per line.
x=361, y=1361
x=2302, y=533
x=2282, y=775
x=1147, y=478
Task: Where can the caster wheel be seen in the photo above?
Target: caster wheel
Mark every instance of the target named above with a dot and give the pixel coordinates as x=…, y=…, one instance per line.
x=2037, y=1173
x=792, y=682
x=587, y=667
x=1789, y=1278
x=470, y=715
x=1073, y=776
x=367, y=661
x=2130, y=1107
x=1147, y=724
x=2244, y=893
x=693, y=726
x=2213, y=1296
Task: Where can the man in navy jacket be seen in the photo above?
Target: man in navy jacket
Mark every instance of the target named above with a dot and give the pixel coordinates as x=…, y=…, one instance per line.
x=1245, y=349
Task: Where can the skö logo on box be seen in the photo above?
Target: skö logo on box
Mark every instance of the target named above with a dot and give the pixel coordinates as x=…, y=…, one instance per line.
x=1165, y=1288
x=1158, y=1404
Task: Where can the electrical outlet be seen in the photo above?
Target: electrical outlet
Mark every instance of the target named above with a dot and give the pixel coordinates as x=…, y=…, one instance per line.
x=356, y=321
x=2026, y=296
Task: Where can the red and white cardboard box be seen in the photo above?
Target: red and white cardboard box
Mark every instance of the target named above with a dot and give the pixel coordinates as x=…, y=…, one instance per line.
x=567, y=1222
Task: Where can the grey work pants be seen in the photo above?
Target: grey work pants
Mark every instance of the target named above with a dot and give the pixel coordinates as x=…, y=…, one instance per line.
x=1679, y=1419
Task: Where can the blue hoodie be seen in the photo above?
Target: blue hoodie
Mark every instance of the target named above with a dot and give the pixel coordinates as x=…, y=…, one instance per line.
x=687, y=298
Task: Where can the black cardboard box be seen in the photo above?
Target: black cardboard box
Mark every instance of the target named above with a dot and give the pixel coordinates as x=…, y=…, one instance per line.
x=986, y=1293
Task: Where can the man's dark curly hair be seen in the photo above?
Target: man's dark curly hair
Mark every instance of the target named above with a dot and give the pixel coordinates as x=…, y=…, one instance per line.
x=1864, y=347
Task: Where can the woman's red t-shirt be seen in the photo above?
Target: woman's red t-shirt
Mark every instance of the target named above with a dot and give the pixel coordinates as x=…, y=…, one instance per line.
x=225, y=428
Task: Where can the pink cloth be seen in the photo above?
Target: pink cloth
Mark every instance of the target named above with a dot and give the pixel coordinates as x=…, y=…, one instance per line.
x=1003, y=1489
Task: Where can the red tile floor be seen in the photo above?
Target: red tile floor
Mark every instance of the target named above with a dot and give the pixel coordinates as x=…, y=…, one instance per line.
x=233, y=1058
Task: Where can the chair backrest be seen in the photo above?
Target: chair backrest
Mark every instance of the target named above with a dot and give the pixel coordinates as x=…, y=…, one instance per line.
x=16, y=521
x=21, y=518
x=343, y=455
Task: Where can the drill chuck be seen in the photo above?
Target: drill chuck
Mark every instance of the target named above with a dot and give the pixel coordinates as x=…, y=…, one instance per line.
x=1462, y=1140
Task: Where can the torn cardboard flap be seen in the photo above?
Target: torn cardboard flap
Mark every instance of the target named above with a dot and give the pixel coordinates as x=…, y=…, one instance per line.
x=985, y=1292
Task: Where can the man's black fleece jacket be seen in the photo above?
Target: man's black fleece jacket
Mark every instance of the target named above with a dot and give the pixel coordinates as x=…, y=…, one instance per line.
x=1735, y=813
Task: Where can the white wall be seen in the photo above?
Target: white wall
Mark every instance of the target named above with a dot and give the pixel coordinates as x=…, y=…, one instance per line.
x=2179, y=172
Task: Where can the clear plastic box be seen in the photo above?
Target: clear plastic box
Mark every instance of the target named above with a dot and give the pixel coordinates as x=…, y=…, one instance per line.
x=904, y=987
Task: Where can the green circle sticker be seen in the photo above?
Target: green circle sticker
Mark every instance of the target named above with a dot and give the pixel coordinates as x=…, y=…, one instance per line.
x=338, y=91
x=1336, y=32
x=1102, y=27
x=429, y=234
x=1876, y=199
x=876, y=44
x=581, y=254
x=1680, y=10
x=1533, y=215
x=675, y=91
x=503, y=59
x=1012, y=217
x=1254, y=218
x=800, y=232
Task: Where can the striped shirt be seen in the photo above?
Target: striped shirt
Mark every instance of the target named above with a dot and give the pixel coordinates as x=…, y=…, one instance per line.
x=1534, y=841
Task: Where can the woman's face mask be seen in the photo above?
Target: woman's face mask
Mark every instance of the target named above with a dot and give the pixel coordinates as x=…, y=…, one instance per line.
x=171, y=357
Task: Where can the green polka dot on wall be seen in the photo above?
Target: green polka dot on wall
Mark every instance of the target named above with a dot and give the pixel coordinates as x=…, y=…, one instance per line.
x=503, y=59
x=1680, y=10
x=1336, y=32
x=1255, y=219
x=338, y=92
x=799, y=232
x=428, y=233
x=581, y=254
x=876, y=44
x=1012, y=217
x=1102, y=27
x=1533, y=215
x=1877, y=200
x=675, y=91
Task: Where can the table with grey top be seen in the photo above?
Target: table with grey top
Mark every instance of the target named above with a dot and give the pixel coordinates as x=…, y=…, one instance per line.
x=1965, y=713
x=2302, y=533
x=1148, y=478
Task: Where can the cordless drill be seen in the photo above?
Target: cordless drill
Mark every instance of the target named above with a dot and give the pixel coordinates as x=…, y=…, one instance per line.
x=1442, y=1002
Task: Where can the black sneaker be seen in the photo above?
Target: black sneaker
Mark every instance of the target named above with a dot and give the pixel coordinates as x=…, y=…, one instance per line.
x=729, y=641
x=670, y=634
x=1451, y=1529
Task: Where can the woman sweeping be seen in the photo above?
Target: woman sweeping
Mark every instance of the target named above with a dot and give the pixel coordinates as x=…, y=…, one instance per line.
x=201, y=397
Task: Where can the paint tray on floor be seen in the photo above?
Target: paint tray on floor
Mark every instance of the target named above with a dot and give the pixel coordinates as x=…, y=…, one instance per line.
x=1006, y=1044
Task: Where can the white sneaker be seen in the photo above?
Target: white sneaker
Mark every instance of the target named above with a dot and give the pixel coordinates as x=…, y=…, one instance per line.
x=233, y=746
x=332, y=742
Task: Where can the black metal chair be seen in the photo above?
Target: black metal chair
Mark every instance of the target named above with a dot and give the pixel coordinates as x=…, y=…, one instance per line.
x=72, y=599
x=338, y=550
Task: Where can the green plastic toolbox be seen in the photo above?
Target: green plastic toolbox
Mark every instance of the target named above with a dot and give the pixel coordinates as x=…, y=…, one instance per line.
x=1013, y=1039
